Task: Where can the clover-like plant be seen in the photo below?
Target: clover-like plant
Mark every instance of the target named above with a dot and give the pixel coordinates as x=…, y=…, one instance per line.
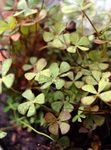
x=102, y=80
x=56, y=38
x=61, y=103
x=71, y=42
x=7, y=79
x=98, y=59
x=58, y=123
x=33, y=103
x=56, y=74
x=78, y=42
x=75, y=6
x=38, y=69
x=80, y=115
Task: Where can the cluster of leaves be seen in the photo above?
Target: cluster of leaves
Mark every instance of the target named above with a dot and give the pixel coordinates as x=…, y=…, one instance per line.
x=58, y=75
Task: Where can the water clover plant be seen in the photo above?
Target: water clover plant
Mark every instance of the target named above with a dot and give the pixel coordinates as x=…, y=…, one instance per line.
x=102, y=81
x=38, y=69
x=78, y=43
x=80, y=115
x=60, y=122
x=31, y=104
x=56, y=73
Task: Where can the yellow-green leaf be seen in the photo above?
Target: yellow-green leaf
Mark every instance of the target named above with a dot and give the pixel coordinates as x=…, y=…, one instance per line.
x=105, y=96
x=30, y=75
x=8, y=80
x=88, y=100
x=102, y=84
x=22, y=108
x=28, y=95
x=40, y=99
x=31, y=110
x=89, y=88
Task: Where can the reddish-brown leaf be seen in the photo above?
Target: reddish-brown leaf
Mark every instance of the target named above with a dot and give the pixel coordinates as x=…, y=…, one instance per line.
x=50, y=118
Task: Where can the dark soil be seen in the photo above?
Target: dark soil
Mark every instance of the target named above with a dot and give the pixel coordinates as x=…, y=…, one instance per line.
x=21, y=139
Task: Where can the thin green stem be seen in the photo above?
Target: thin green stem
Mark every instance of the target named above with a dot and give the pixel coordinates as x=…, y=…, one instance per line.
x=38, y=132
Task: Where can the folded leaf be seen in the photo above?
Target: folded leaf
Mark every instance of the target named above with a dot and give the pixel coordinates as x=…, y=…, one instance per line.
x=83, y=48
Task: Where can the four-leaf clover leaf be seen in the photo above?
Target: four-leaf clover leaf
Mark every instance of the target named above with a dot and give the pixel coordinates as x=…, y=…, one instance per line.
x=32, y=103
x=38, y=67
x=78, y=42
x=103, y=83
x=55, y=74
